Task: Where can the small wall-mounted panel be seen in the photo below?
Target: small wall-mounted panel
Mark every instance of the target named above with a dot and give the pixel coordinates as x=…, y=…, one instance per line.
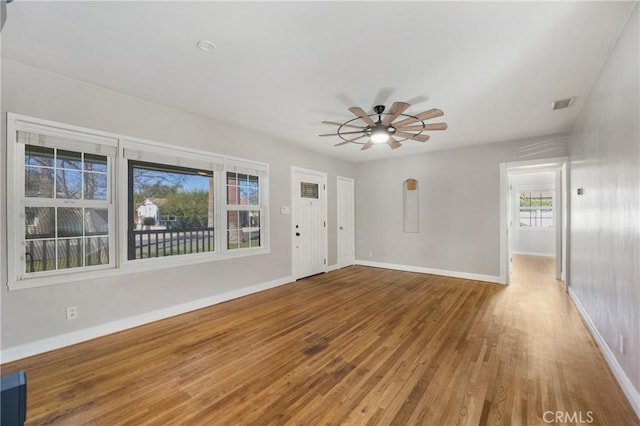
x=410, y=206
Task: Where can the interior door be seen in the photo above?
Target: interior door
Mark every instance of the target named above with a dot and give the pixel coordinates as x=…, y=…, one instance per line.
x=309, y=222
x=346, y=222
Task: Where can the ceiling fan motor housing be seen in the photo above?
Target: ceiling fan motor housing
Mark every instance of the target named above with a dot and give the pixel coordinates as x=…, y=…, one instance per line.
x=378, y=109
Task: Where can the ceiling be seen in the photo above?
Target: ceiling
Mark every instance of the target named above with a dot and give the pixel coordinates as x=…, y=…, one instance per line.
x=281, y=68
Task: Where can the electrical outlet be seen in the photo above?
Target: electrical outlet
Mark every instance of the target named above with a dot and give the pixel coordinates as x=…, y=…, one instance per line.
x=72, y=312
x=370, y=254
x=621, y=343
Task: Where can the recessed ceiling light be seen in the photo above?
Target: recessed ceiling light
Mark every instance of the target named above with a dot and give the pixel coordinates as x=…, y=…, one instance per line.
x=206, y=46
x=562, y=103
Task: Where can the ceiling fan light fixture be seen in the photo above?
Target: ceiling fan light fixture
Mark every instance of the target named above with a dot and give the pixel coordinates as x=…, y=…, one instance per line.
x=379, y=136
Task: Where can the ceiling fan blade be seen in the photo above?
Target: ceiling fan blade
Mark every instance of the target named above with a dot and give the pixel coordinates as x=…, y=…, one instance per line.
x=367, y=145
x=333, y=123
x=350, y=140
x=359, y=112
x=426, y=115
x=393, y=144
x=419, y=138
x=419, y=127
x=396, y=109
x=342, y=133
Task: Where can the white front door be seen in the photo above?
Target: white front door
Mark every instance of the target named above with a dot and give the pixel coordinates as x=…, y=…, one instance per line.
x=346, y=222
x=309, y=222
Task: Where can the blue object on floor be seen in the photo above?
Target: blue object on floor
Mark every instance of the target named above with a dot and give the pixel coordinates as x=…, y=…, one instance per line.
x=13, y=400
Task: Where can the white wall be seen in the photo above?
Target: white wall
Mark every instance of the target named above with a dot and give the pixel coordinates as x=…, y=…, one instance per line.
x=35, y=314
x=605, y=222
x=459, y=206
x=536, y=241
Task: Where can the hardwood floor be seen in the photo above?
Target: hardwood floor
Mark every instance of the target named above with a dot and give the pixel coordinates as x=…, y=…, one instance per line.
x=356, y=346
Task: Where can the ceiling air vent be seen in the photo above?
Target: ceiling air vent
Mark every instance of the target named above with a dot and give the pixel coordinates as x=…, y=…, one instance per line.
x=562, y=103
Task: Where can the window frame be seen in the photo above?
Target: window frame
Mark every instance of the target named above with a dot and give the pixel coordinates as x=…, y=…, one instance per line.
x=534, y=188
x=17, y=276
x=118, y=193
x=245, y=169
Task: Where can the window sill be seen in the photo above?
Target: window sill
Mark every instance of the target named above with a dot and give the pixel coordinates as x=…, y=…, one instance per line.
x=133, y=267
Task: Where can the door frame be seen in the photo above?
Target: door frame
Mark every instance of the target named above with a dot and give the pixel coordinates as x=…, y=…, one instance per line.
x=352, y=181
x=559, y=165
x=294, y=192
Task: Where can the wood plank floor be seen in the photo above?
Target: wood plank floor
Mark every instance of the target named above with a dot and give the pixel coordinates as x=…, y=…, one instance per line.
x=356, y=346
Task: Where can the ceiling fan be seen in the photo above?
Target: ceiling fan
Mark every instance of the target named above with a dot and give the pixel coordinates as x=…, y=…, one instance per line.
x=386, y=129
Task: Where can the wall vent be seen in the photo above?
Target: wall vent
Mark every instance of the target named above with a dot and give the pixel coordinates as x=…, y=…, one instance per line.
x=562, y=103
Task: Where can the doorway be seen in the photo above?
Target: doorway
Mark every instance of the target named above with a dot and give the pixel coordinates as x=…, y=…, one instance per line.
x=346, y=222
x=309, y=219
x=533, y=214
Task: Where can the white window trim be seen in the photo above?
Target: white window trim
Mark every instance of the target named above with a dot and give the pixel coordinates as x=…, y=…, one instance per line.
x=516, y=207
x=120, y=265
x=237, y=165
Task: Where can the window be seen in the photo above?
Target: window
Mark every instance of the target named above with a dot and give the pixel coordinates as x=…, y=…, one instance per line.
x=309, y=190
x=243, y=211
x=171, y=211
x=535, y=208
x=87, y=204
x=63, y=217
x=171, y=201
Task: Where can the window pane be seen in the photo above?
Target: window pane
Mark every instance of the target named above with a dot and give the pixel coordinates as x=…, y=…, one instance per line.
x=233, y=222
x=253, y=191
x=254, y=218
x=96, y=221
x=40, y=256
x=232, y=188
x=233, y=197
x=245, y=220
x=95, y=163
x=172, y=211
x=308, y=190
x=95, y=186
x=68, y=184
x=255, y=238
x=243, y=228
x=242, y=189
x=69, y=222
x=234, y=239
x=38, y=156
x=70, y=253
x=40, y=222
x=97, y=251
x=68, y=160
x=38, y=182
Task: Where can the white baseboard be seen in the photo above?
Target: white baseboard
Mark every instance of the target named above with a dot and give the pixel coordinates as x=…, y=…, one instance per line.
x=532, y=253
x=623, y=380
x=60, y=341
x=423, y=270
